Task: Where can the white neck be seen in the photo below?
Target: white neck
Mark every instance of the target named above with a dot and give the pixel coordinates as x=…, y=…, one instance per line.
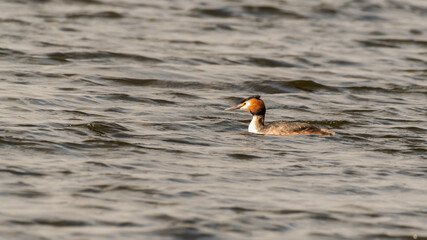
x=255, y=124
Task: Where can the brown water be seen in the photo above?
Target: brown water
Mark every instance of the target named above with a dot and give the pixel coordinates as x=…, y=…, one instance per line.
x=112, y=121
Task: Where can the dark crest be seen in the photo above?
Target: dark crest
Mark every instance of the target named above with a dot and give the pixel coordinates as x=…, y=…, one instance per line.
x=254, y=96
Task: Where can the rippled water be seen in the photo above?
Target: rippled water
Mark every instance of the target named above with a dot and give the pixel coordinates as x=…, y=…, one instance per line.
x=112, y=121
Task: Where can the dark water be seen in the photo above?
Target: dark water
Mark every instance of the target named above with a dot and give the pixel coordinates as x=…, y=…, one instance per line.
x=112, y=121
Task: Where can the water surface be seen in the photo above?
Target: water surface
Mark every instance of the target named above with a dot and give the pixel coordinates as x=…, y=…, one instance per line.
x=112, y=120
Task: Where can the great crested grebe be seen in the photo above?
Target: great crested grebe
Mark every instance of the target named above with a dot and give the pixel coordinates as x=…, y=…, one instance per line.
x=256, y=106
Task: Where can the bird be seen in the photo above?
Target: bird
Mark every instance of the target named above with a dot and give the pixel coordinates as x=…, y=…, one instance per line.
x=256, y=107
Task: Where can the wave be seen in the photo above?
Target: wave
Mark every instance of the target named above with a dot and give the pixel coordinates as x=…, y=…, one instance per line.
x=65, y=57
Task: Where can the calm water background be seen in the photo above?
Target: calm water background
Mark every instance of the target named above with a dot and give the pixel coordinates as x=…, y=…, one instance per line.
x=112, y=121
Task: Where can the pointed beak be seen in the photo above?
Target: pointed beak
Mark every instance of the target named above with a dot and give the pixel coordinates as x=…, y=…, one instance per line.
x=235, y=107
